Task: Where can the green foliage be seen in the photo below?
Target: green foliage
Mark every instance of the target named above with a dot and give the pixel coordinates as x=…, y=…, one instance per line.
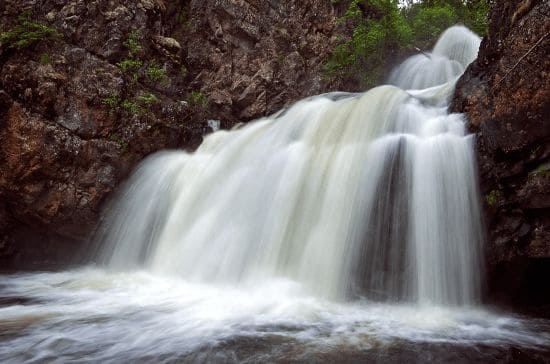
x=492, y=198
x=45, y=59
x=147, y=99
x=133, y=43
x=542, y=170
x=134, y=106
x=155, y=73
x=198, y=99
x=131, y=106
x=27, y=33
x=379, y=32
x=477, y=16
x=130, y=64
x=429, y=18
x=429, y=22
x=112, y=102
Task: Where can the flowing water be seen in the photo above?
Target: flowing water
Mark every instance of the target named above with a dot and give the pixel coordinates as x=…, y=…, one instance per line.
x=345, y=228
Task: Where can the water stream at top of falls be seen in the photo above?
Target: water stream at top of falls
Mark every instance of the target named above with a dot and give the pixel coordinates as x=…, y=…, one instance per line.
x=371, y=194
x=345, y=228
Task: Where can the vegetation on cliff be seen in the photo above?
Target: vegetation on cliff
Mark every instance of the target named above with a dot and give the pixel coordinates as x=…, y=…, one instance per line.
x=376, y=33
x=27, y=33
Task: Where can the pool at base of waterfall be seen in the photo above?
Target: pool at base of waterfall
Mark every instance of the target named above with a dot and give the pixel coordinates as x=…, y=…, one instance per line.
x=92, y=315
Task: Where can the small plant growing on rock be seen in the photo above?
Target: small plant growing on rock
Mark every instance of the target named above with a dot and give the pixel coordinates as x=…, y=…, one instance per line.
x=147, y=99
x=112, y=102
x=133, y=43
x=134, y=105
x=156, y=73
x=129, y=64
x=198, y=99
x=27, y=33
x=130, y=106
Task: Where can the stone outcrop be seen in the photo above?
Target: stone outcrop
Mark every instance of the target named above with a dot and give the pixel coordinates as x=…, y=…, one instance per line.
x=259, y=55
x=128, y=78
x=506, y=96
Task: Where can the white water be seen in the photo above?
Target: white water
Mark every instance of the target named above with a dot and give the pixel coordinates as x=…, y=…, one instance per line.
x=347, y=224
x=369, y=194
x=448, y=60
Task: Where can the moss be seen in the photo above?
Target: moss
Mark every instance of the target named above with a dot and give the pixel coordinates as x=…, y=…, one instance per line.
x=28, y=33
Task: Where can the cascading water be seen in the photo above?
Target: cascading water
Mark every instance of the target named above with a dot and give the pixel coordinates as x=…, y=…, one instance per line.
x=345, y=228
x=456, y=49
x=365, y=194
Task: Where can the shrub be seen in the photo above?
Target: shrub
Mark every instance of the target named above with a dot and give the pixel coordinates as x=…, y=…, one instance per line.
x=155, y=73
x=27, y=33
x=112, y=102
x=378, y=32
x=133, y=43
x=147, y=99
x=129, y=64
x=130, y=106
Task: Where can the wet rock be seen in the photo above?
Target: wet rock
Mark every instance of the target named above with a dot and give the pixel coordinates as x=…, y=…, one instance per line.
x=506, y=96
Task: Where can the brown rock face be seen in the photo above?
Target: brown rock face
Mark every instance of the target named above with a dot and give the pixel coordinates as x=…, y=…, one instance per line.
x=259, y=55
x=506, y=95
x=76, y=115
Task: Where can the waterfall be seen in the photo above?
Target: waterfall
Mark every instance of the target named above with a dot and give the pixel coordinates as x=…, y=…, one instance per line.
x=351, y=195
x=456, y=49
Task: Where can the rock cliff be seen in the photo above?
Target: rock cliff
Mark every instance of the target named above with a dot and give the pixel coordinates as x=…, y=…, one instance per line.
x=88, y=88
x=506, y=96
